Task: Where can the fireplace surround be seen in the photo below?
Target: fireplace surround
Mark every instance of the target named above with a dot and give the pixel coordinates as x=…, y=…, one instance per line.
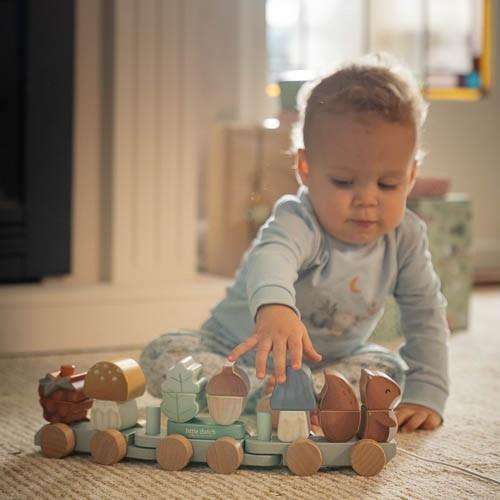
x=36, y=96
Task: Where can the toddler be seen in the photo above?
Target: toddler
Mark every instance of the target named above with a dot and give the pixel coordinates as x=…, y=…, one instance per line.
x=314, y=280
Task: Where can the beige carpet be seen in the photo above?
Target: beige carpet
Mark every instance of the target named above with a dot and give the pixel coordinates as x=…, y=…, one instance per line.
x=470, y=437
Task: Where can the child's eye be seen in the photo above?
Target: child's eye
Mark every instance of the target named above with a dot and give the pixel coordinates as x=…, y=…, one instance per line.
x=341, y=183
x=388, y=187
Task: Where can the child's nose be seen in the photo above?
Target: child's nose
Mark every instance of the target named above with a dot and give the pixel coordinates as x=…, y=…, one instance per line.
x=365, y=196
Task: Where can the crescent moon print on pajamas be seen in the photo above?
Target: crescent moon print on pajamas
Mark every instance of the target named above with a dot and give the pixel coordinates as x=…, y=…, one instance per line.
x=341, y=308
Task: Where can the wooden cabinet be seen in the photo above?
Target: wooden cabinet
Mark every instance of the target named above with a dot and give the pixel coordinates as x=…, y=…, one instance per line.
x=249, y=169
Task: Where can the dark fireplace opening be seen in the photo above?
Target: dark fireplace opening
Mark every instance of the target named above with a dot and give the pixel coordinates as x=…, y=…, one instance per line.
x=36, y=128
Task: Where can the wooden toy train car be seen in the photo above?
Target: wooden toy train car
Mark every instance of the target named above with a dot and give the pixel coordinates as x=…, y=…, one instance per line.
x=359, y=437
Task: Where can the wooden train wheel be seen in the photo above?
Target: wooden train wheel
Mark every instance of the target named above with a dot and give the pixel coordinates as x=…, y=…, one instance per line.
x=225, y=455
x=108, y=447
x=303, y=457
x=367, y=457
x=174, y=452
x=57, y=440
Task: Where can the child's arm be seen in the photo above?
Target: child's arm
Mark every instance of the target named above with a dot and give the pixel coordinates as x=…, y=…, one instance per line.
x=425, y=329
x=277, y=329
x=287, y=243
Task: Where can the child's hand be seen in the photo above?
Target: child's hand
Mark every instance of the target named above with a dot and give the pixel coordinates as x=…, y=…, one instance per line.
x=412, y=417
x=277, y=329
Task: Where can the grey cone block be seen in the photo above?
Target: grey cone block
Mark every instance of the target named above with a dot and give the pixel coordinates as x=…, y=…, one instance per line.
x=297, y=393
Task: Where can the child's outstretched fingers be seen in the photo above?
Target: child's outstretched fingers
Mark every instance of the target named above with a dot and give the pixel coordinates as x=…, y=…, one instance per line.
x=243, y=348
x=263, y=350
x=295, y=348
x=270, y=384
x=279, y=360
x=309, y=350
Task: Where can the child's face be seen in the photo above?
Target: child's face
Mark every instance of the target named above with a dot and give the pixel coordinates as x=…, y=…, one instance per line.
x=359, y=172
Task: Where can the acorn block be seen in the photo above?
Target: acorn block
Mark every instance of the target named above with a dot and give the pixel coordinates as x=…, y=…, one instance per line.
x=226, y=394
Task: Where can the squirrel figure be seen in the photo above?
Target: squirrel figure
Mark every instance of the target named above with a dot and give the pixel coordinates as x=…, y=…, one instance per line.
x=379, y=396
x=339, y=413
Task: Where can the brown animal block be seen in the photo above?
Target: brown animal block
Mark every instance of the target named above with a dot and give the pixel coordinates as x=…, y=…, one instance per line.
x=337, y=393
x=339, y=426
x=225, y=455
x=57, y=440
x=379, y=396
x=367, y=457
x=228, y=382
x=378, y=391
x=174, y=452
x=303, y=457
x=108, y=447
x=119, y=380
x=380, y=425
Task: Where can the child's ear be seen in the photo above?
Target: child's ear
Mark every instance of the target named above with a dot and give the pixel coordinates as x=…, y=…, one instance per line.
x=413, y=175
x=302, y=167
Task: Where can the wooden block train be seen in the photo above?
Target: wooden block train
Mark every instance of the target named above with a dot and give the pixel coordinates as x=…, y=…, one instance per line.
x=96, y=412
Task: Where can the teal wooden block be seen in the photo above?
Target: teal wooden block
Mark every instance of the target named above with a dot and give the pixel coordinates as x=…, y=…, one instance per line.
x=338, y=454
x=148, y=440
x=272, y=447
x=198, y=428
x=182, y=407
x=153, y=420
x=184, y=377
x=141, y=453
x=264, y=425
x=200, y=449
x=261, y=460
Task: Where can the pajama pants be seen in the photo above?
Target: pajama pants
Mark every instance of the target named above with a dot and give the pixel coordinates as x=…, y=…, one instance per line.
x=166, y=350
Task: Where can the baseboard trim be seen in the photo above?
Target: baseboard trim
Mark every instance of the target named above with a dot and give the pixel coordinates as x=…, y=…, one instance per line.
x=38, y=319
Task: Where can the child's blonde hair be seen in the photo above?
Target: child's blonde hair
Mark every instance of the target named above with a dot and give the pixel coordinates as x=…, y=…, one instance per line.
x=375, y=83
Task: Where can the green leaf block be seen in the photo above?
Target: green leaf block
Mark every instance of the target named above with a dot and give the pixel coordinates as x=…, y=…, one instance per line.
x=181, y=407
